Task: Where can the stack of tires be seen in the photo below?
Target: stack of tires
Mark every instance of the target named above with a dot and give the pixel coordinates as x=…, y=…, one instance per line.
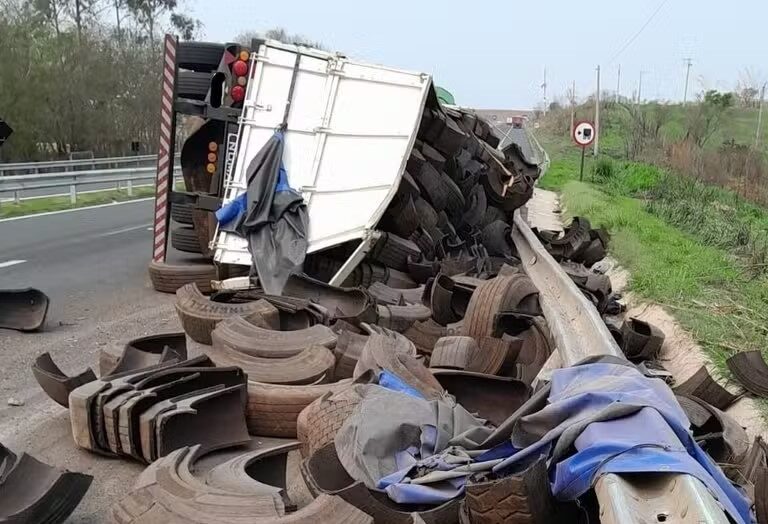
x=453, y=209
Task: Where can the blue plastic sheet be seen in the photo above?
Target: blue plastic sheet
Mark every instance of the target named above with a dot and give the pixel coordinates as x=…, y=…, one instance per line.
x=390, y=380
x=232, y=211
x=614, y=418
x=619, y=421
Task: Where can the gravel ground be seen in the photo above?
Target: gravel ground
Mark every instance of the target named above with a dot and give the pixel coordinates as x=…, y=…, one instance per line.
x=41, y=427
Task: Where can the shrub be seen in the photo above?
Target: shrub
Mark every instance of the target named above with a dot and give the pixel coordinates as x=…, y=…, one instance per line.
x=604, y=168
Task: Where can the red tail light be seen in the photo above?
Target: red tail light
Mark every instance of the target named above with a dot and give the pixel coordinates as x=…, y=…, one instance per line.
x=240, y=68
x=237, y=93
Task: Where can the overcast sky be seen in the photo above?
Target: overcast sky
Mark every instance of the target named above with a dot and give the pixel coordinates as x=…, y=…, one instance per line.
x=492, y=54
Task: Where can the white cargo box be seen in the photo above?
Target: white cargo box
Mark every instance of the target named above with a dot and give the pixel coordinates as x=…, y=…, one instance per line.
x=350, y=132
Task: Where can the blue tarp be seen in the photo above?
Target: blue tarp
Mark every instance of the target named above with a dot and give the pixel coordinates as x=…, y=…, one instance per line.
x=390, y=380
x=600, y=418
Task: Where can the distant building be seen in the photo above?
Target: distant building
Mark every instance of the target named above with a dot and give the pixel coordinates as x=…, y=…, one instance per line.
x=504, y=116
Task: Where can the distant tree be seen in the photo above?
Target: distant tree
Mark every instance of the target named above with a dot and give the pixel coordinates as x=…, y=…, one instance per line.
x=748, y=96
x=279, y=34
x=147, y=13
x=188, y=27
x=282, y=35
x=747, y=88
x=703, y=119
x=52, y=11
x=555, y=106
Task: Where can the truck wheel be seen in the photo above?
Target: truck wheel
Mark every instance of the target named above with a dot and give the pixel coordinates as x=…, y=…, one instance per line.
x=273, y=409
x=185, y=239
x=167, y=278
x=199, y=315
x=181, y=213
x=199, y=56
x=194, y=85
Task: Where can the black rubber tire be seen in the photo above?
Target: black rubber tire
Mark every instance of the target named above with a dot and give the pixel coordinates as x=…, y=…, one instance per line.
x=477, y=204
x=401, y=217
x=393, y=251
x=199, y=315
x=508, y=293
x=496, y=239
x=515, y=196
x=427, y=214
x=454, y=352
x=575, y=239
x=167, y=278
x=182, y=213
x=193, y=85
x=185, y=239
x=451, y=138
x=455, y=202
x=433, y=156
x=430, y=181
x=592, y=254
x=522, y=498
x=273, y=409
x=492, y=214
x=399, y=280
x=199, y=56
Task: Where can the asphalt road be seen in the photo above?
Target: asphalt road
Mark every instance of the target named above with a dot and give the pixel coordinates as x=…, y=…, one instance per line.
x=520, y=137
x=92, y=263
x=90, y=251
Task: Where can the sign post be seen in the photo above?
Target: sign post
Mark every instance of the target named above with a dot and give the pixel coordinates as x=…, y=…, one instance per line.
x=583, y=136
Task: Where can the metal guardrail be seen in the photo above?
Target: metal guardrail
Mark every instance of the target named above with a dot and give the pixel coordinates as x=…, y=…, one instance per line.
x=579, y=332
x=16, y=184
x=67, y=165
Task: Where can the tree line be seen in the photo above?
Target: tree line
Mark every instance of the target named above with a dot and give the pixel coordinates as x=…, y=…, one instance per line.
x=83, y=75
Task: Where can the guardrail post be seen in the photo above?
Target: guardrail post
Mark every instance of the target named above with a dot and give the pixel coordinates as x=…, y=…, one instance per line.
x=16, y=198
x=129, y=187
x=73, y=194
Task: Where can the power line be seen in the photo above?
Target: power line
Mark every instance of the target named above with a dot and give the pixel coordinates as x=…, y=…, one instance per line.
x=634, y=37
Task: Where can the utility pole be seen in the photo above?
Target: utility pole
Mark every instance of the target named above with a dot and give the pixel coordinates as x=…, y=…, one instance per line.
x=544, y=86
x=597, y=114
x=618, y=84
x=760, y=117
x=640, y=88
x=573, y=105
x=688, y=63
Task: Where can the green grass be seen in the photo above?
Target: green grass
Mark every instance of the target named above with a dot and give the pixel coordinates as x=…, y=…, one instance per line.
x=692, y=270
x=41, y=205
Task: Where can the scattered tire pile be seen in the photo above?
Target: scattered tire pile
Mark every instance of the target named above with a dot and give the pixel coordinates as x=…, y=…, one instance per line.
x=441, y=302
x=152, y=403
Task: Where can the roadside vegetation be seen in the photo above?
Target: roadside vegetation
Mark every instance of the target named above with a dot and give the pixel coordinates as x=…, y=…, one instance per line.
x=58, y=203
x=696, y=246
x=84, y=75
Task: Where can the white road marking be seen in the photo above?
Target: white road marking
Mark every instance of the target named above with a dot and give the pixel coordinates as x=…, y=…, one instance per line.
x=11, y=263
x=119, y=231
x=47, y=213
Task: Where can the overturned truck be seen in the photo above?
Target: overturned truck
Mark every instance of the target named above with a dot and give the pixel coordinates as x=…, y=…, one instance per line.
x=392, y=180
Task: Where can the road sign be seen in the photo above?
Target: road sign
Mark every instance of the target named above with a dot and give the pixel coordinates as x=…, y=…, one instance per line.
x=5, y=131
x=584, y=133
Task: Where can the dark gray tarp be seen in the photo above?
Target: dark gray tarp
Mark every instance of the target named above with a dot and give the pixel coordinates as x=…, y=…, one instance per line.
x=275, y=221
